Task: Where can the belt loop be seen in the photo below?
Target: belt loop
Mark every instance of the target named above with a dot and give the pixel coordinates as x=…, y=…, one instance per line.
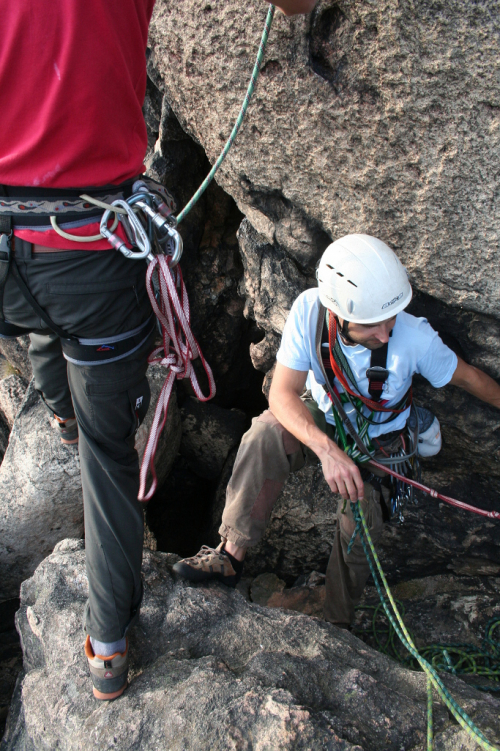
x=23, y=249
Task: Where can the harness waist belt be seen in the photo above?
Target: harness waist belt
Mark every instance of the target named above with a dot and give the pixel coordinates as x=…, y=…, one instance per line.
x=108, y=349
x=33, y=206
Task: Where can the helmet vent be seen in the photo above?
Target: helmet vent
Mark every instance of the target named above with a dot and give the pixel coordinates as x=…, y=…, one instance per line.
x=349, y=306
x=349, y=282
x=339, y=274
x=329, y=267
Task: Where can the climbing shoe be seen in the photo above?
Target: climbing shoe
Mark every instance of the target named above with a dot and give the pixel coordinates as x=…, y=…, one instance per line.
x=211, y=565
x=109, y=674
x=68, y=429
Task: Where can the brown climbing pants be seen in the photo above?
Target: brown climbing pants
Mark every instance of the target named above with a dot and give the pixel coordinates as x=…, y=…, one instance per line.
x=267, y=454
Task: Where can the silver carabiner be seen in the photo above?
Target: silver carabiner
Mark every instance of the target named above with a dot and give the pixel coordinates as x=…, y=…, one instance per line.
x=117, y=241
x=162, y=224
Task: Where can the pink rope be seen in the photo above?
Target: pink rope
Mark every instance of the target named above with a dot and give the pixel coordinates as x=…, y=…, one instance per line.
x=179, y=348
x=435, y=494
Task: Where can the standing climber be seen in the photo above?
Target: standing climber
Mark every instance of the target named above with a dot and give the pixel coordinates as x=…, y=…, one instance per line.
x=352, y=331
x=72, y=85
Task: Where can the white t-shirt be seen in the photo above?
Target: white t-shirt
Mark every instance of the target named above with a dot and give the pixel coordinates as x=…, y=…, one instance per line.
x=414, y=347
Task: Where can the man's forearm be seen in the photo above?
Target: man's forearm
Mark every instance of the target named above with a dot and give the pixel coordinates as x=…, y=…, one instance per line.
x=477, y=383
x=340, y=472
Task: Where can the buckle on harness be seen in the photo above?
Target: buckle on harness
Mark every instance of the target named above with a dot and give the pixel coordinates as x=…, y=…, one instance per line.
x=5, y=254
x=5, y=249
x=377, y=373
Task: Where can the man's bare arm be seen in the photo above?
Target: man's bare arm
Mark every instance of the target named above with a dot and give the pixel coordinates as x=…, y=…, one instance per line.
x=294, y=7
x=341, y=473
x=476, y=382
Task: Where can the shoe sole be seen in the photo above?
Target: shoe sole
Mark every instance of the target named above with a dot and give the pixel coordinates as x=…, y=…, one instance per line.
x=196, y=576
x=109, y=697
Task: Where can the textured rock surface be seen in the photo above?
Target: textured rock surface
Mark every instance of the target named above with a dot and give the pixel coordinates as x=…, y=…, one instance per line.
x=41, y=499
x=210, y=670
x=208, y=435
x=16, y=352
x=11, y=658
x=12, y=391
x=451, y=609
x=375, y=117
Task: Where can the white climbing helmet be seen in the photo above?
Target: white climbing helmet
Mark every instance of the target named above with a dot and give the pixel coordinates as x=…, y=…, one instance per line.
x=362, y=280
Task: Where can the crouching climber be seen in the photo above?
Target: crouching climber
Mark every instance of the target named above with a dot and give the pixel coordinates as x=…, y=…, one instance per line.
x=348, y=341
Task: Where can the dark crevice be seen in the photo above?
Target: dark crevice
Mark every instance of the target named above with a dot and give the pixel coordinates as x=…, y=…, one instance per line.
x=179, y=514
x=327, y=56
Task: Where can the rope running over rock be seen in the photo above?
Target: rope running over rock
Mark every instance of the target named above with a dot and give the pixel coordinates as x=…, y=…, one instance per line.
x=433, y=679
x=251, y=86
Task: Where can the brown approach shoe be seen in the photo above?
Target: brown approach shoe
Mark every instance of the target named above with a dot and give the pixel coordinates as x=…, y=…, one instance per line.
x=209, y=565
x=109, y=674
x=68, y=429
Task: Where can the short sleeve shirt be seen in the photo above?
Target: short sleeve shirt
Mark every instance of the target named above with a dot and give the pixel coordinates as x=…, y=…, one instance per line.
x=414, y=347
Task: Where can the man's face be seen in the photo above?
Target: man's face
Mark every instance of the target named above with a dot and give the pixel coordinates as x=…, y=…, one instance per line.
x=371, y=335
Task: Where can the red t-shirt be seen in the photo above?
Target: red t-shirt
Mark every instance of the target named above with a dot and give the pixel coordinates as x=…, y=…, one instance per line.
x=72, y=85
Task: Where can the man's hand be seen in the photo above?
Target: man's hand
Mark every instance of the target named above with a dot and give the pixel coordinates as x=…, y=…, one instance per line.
x=294, y=7
x=341, y=473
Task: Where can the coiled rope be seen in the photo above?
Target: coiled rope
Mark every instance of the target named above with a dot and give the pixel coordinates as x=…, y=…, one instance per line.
x=179, y=347
x=458, y=659
x=395, y=619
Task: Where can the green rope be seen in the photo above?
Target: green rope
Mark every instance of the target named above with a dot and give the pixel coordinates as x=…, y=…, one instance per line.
x=430, y=724
x=251, y=86
x=458, y=659
x=433, y=679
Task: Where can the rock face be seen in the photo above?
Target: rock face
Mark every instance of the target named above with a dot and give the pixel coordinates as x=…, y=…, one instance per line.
x=15, y=352
x=381, y=119
x=208, y=435
x=41, y=494
x=41, y=501
x=210, y=670
x=366, y=119
x=12, y=391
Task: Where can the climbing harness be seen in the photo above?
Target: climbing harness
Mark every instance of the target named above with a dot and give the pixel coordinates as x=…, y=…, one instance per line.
x=356, y=442
x=396, y=621
x=143, y=209
x=361, y=449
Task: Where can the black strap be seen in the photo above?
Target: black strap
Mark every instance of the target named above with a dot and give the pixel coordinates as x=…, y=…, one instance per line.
x=5, y=250
x=36, y=307
x=377, y=373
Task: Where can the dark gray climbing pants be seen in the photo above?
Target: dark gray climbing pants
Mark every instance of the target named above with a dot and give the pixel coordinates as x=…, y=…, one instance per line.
x=94, y=294
x=267, y=454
